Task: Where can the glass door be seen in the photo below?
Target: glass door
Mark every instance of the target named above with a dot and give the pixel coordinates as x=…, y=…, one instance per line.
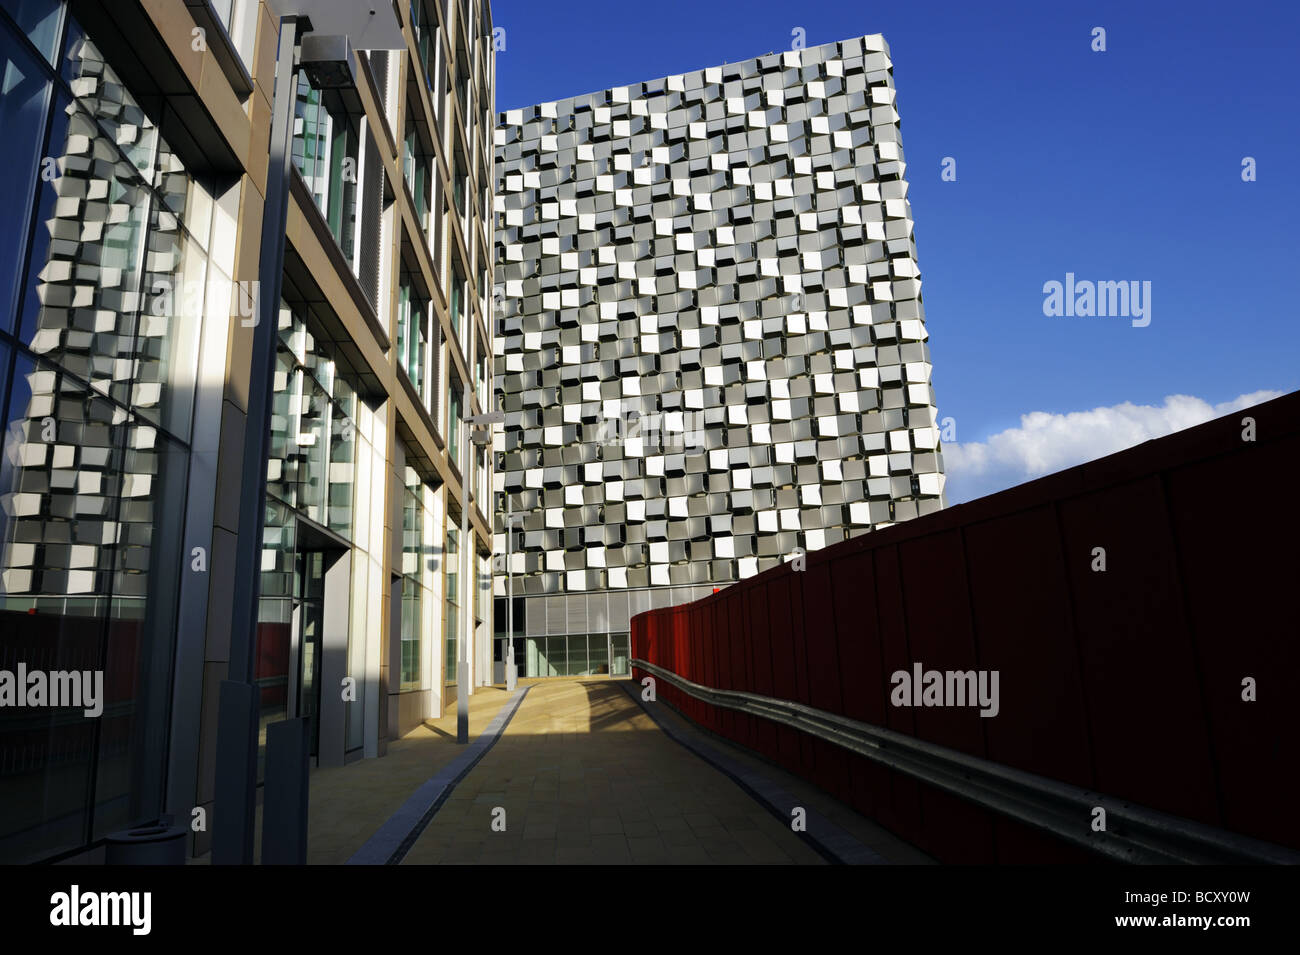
x=309, y=621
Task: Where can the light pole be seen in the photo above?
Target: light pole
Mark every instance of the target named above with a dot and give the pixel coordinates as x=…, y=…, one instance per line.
x=467, y=592
x=512, y=675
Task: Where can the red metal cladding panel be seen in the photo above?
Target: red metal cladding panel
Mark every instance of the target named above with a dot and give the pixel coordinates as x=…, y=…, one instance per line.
x=653, y=648
x=1019, y=844
x=1041, y=726
x=1234, y=569
x=687, y=648
x=894, y=655
x=711, y=674
x=798, y=636
x=734, y=657
x=857, y=638
x=758, y=642
x=820, y=637
x=718, y=670
x=745, y=674
x=1149, y=732
x=783, y=667
x=940, y=639
x=716, y=667
x=955, y=830
x=705, y=639
x=832, y=771
x=668, y=623
x=865, y=786
x=737, y=671
x=778, y=614
x=747, y=643
x=799, y=644
x=787, y=748
x=939, y=636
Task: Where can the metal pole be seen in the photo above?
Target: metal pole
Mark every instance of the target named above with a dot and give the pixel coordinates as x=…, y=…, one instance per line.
x=511, y=676
x=237, y=725
x=462, y=666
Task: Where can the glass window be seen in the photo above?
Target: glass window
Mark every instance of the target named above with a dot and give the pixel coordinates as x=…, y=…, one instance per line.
x=40, y=21
x=343, y=457
x=457, y=303
x=326, y=146
x=313, y=441
x=412, y=550
x=24, y=95
x=411, y=346
x=556, y=659
x=119, y=271
x=619, y=665
x=454, y=395
x=91, y=571
x=97, y=406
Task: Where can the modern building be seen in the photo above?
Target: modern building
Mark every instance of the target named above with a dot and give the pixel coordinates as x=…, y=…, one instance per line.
x=711, y=343
x=137, y=183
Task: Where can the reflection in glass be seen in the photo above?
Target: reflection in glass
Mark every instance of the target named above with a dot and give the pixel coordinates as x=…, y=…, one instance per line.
x=412, y=550
x=24, y=92
x=325, y=150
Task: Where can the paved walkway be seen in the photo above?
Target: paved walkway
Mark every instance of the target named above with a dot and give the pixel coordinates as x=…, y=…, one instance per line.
x=585, y=776
x=582, y=775
x=347, y=804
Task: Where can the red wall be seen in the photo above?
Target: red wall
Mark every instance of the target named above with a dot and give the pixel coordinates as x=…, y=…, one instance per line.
x=1127, y=682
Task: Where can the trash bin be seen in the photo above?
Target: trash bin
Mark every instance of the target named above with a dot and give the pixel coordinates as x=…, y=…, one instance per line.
x=159, y=844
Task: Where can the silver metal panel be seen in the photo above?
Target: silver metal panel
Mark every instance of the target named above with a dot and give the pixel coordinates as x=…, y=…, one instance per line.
x=577, y=613
x=598, y=613
x=557, y=619
x=709, y=307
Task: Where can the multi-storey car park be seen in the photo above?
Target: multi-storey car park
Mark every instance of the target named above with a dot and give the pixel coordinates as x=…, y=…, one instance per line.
x=711, y=343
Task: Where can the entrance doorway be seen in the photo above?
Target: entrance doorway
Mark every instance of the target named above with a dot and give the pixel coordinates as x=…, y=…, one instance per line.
x=319, y=618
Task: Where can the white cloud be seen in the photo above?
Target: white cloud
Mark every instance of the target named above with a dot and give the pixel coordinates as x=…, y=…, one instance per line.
x=1045, y=442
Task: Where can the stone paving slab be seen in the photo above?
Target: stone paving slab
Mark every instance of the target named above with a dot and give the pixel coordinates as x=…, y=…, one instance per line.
x=348, y=804
x=395, y=837
x=584, y=776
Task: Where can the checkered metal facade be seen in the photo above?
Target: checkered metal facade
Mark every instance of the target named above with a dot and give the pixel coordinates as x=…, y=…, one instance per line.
x=711, y=343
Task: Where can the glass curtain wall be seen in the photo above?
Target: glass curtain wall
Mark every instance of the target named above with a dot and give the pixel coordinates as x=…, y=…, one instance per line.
x=451, y=577
x=454, y=406
x=412, y=347
x=412, y=585
x=315, y=449
x=108, y=263
x=326, y=150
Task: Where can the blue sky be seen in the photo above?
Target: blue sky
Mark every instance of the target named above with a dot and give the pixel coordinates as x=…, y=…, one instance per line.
x=1116, y=165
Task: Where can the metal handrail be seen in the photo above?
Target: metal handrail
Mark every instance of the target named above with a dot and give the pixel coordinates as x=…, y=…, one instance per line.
x=1133, y=834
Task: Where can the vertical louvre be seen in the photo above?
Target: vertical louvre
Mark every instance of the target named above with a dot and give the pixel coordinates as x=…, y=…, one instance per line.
x=556, y=616
x=435, y=367
x=619, y=619
x=534, y=617
x=372, y=190
x=577, y=613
